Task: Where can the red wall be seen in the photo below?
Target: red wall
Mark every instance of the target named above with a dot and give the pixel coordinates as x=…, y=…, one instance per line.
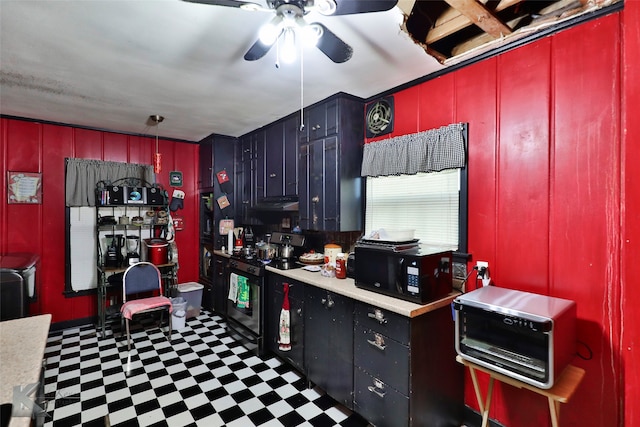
x=40, y=229
x=553, y=199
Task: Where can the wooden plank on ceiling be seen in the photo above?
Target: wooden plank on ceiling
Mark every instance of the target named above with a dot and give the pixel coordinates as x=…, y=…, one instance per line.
x=477, y=13
x=453, y=21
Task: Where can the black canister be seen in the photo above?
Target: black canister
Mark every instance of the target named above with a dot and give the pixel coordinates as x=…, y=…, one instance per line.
x=351, y=265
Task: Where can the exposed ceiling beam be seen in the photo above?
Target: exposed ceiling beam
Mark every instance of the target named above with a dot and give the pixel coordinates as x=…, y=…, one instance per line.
x=452, y=21
x=477, y=13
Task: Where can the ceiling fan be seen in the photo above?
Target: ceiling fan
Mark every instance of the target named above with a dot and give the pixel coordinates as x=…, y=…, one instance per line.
x=289, y=22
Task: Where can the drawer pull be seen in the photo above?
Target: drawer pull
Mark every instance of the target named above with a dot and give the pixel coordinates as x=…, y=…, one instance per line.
x=377, y=388
x=378, y=342
x=378, y=315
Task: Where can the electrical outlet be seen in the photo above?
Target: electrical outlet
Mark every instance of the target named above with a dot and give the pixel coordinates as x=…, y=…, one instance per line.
x=483, y=269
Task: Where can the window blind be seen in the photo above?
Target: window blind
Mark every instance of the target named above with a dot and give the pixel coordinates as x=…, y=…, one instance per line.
x=426, y=202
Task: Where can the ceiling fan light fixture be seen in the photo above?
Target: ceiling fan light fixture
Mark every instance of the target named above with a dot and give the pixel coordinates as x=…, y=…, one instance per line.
x=288, y=52
x=326, y=7
x=269, y=32
x=253, y=7
x=311, y=34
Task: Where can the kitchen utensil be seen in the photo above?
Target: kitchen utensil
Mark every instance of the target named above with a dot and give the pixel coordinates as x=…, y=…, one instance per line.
x=331, y=250
x=133, y=243
x=113, y=257
x=286, y=251
x=266, y=251
x=157, y=251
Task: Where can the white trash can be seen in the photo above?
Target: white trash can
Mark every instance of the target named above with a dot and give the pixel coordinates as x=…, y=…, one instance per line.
x=192, y=293
x=179, y=313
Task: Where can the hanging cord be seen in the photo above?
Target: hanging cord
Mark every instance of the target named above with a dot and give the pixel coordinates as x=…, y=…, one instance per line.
x=301, y=86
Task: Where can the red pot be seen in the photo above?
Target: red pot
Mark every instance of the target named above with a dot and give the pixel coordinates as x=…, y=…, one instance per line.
x=157, y=251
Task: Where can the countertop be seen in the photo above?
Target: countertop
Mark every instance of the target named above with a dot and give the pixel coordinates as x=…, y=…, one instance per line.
x=348, y=288
x=22, y=345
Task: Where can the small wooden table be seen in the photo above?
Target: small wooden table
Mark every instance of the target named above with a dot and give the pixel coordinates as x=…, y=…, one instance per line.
x=561, y=392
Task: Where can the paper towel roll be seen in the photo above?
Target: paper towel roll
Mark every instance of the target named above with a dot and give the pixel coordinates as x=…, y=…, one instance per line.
x=230, y=242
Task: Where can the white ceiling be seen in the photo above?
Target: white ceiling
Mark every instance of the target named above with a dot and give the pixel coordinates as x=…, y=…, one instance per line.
x=111, y=64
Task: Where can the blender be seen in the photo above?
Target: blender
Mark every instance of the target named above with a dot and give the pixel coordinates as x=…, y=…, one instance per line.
x=133, y=244
x=113, y=257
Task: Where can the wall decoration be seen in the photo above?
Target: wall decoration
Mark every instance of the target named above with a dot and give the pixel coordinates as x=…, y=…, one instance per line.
x=175, y=178
x=24, y=187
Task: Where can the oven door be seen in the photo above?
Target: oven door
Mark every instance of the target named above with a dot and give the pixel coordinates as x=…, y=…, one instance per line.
x=244, y=302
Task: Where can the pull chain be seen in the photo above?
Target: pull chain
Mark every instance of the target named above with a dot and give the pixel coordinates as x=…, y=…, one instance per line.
x=301, y=87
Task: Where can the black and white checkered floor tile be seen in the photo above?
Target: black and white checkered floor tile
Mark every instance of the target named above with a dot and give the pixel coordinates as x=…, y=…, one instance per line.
x=202, y=378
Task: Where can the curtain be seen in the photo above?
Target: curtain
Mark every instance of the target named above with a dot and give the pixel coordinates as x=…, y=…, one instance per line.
x=430, y=151
x=82, y=175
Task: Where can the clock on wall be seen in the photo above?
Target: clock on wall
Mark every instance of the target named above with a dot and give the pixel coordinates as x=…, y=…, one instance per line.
x=379, y=117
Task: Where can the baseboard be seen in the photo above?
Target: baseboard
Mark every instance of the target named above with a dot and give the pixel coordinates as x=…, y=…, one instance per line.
x=57, y=326
x=473, y=418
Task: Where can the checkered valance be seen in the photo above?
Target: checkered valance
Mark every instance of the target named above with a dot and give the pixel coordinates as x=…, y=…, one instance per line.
x=430, y=151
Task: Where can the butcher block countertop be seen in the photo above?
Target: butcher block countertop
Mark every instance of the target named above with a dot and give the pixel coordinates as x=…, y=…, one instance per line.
x=22, y=345
x=348, y=288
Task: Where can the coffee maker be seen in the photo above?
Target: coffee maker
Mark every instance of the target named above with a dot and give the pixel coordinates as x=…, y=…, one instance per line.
x=113, y=256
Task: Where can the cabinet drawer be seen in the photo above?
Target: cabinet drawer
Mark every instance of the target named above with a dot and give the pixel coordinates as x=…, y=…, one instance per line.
x=385, y=322
x=379, y=403
x=382, y=357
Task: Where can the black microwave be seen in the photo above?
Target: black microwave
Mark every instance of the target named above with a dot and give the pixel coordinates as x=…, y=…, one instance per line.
x=418, y=275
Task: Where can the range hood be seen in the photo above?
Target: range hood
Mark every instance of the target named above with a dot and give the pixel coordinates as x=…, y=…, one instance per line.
x=277, y=204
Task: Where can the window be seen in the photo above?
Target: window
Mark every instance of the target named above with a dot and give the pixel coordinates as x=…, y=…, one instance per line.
x=427, y=202
x=419, y=181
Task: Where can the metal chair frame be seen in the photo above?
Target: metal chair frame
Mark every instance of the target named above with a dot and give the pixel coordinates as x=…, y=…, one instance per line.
x=151, y=283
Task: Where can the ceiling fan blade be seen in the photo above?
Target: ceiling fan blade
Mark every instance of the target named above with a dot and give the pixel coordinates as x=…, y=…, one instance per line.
x=229, y=3
x=348, y=7
x=258, y=50
x=332, y=46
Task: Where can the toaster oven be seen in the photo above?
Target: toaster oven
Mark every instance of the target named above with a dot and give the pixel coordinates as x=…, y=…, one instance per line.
x=526, y=336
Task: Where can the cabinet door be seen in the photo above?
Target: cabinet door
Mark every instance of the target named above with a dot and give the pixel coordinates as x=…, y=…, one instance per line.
x=291, y=132
x=220, y=284
x=275, y=295
x=274, y=160
x=316, y=185
x=260, y=167
x=329, y=343
x=205, y=177
x=331, y=197
x=304, y=161
x=243, y=179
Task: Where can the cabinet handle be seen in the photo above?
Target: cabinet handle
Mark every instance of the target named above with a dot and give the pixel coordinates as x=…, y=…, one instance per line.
x=378, y=342
x=378, y=315
x=272, y=175
x=377, y=388
x=328, y=302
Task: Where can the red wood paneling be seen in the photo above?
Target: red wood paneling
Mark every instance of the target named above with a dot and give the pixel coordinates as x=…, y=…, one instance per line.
x=630, y=239
x=34, y=147
x=115, y=147
x=584, y=254
x=436, y=103
x=87, y=144
x=479, y=111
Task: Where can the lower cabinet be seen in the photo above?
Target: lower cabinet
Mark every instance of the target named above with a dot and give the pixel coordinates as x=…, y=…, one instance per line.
x=391, y=369
x=329, y=343
x=275, y=298
x=405, y=369
x=220, y=284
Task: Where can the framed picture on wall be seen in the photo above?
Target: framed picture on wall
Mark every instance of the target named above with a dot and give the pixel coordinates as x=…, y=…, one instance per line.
x=24, y=187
